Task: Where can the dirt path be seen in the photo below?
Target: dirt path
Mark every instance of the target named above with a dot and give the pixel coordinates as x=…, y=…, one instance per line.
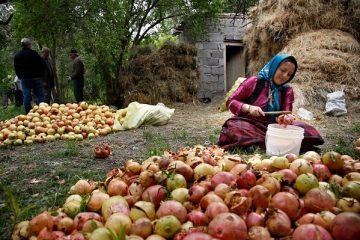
x=198, y=123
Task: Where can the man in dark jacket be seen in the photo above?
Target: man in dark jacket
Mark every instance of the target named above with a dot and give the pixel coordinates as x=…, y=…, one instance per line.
x=77, y=76
x=29, y=69
x=49, y=74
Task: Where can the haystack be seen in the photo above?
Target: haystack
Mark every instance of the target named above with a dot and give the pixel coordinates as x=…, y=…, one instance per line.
x=275, y=22
x=166, y=75
x=329, y=60
x=323, y=36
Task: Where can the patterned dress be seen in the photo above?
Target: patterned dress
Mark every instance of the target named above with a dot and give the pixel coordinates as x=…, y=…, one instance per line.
x=243, y=130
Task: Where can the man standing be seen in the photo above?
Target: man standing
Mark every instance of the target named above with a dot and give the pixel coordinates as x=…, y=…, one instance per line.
x=49, y=74
x=77, y=75
x=29, y=69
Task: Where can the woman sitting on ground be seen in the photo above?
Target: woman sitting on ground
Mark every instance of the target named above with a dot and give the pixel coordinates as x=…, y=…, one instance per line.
x=266, y=92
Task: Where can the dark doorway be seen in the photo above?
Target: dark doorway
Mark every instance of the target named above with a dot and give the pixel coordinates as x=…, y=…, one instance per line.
x=234, y=65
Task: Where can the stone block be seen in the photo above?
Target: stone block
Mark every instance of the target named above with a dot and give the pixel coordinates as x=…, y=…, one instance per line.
x=210, y=61
x=238, y=37
x=214, y=29
x=233, y=23
x=217, y=54
x=215, y=37
x=211, y=46
x=222, y=46
x=204, y=53
x=217, y=70
x=227, y=30
x=206, y=69
x=209, y=78
x=229, y=37
x=222, y=78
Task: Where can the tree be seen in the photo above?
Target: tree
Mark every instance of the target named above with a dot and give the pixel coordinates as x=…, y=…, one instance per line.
x=50, y=23
x=107, y=30
x=111, y=28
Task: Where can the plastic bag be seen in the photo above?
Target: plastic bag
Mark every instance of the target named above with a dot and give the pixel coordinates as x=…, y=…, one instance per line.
x=237, y=83
x=305, y=114
x=137, y=114
x=335, y=104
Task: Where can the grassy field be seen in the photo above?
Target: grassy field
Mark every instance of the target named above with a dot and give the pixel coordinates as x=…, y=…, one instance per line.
x=10, y=112
x=38, y=177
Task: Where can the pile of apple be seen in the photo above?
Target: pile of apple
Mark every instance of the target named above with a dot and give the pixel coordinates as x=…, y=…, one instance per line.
x=69, y=121
x=204, y=193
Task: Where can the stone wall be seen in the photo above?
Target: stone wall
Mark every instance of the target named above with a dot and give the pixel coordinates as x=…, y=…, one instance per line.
x=211, y=53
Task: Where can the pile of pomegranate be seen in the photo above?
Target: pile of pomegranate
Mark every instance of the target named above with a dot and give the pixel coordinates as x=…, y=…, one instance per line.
x=69, y=121
x=203, y=193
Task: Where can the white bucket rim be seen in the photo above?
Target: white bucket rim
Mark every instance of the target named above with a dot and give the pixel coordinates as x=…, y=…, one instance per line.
x=290, y=129
x=274, y=134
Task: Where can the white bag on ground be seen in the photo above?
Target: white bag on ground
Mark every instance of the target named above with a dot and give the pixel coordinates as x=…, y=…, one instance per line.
x=137, y=114
x=335, y=104
x=305, y=114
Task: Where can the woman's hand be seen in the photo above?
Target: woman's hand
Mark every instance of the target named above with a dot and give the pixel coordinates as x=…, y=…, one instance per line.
x=285, y=119
x=256, y=111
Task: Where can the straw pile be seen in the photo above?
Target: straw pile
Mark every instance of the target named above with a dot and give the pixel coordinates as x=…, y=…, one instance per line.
x=167, y=75
x=323, y=36
x=275, y=22
x=329, y=60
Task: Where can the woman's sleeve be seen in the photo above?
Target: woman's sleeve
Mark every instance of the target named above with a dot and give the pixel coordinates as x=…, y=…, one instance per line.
x=236, y=100
x=289, y=99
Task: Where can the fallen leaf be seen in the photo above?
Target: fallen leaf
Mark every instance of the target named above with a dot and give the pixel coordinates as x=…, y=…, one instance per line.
x=34, y=181
x=62, y=181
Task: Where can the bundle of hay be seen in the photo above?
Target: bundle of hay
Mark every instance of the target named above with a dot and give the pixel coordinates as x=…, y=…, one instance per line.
x=328, y=60
x=275, y=22
x=166, y=75
x=323, y=36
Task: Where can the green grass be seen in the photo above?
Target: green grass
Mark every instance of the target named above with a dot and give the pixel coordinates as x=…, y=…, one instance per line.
x=156, y=144
x=40, y=180
x=10, y=112
x=214, y=136
x=247, y=151
x=22, y=205
x=182, y=134
x=71, y=150
x=342, y=146
x=356, y=128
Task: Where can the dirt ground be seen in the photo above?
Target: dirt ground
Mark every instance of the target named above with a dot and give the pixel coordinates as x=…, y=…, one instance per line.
x=195, y=123
x=41, y=174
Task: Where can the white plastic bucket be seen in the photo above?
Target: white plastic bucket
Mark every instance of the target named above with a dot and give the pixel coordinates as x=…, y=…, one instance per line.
x=282, y=140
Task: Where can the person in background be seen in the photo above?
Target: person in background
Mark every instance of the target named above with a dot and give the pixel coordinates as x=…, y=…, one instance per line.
x=268, y=91
x=29, y=69
x=77, y=75
x=18, y=92
x=5, y=86
x=49, y=74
